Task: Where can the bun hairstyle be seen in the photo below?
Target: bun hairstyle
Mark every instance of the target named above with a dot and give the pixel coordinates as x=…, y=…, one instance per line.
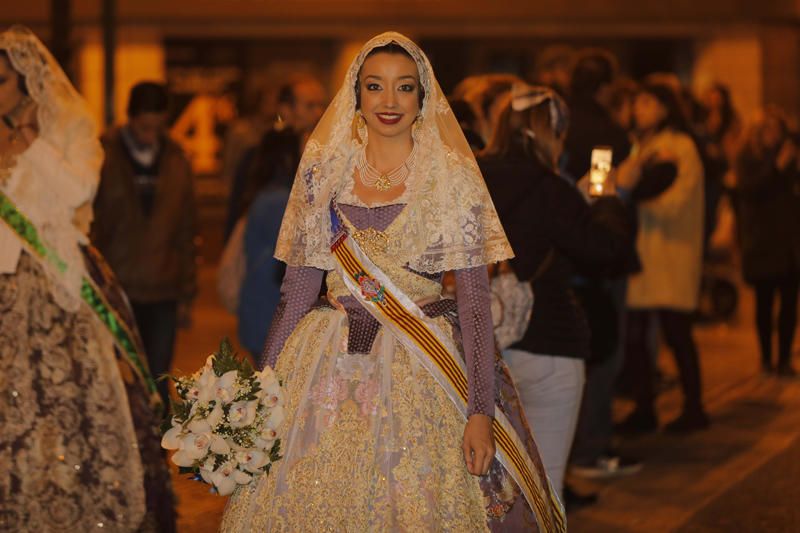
x=533, y=120
x=21, y=84
x=394, y=49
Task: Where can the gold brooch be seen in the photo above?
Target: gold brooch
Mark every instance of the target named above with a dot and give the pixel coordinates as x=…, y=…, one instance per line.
x=372, y=241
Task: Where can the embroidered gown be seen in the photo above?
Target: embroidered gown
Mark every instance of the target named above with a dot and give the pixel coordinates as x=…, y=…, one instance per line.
x=371, y=442
x=79, y=442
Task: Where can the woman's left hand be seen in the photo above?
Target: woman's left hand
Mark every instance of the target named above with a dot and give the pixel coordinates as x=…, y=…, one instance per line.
x=478, y=444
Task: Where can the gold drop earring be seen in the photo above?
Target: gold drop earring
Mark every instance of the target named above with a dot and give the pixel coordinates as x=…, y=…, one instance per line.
x=416, y=126
x=361, y=127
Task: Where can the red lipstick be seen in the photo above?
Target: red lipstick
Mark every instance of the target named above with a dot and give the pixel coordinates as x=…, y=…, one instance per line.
x=389, y=118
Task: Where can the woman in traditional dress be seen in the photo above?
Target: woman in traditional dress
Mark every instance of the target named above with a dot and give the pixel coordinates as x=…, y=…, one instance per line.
x=79, y=445
x=381, y=383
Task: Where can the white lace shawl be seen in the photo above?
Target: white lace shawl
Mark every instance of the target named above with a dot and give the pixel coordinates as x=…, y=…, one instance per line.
x=451, y=222
x=59, y=171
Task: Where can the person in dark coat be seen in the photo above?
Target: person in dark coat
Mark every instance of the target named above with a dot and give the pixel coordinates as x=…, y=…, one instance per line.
x=144, y=225
x=591, y=86
x=591, y=123
x=768, y=195
x=553, y=232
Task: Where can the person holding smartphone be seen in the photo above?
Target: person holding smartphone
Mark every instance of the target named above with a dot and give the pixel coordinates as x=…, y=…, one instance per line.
x=554, y=232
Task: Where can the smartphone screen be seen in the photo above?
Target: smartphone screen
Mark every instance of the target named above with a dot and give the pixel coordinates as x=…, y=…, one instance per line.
x=599, y=171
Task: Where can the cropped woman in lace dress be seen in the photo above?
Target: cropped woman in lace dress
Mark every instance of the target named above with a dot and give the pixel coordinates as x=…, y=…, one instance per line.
x=393, y=394
x=79, y=446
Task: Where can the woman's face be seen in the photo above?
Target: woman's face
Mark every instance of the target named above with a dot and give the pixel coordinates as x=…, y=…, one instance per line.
x=10, y=94
x=389, y=94
x=648, y=112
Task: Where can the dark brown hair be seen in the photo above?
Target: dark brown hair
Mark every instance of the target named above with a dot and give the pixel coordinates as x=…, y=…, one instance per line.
x=148, y=97
x=675, y=118
x=21, y=84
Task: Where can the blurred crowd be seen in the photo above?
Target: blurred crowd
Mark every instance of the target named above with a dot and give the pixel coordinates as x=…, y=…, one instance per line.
x=696, y=195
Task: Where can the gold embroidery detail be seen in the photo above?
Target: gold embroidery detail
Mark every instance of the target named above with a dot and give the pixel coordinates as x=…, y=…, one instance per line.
x=397, y=465
x=382, y=247
x=372, y=241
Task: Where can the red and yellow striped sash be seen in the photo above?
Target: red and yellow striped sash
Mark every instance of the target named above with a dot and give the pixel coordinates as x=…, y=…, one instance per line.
x=386, y=303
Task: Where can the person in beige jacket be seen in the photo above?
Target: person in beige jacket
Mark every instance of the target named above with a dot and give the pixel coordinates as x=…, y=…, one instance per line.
x=670, y=246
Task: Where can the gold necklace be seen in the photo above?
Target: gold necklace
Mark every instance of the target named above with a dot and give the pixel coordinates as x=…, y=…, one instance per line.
x=383, y=181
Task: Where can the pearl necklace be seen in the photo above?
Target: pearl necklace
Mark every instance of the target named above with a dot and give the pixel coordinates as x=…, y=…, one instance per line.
x=383, y=181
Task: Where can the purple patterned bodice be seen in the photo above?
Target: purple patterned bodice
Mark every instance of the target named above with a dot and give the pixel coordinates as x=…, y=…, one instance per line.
x=300, y=291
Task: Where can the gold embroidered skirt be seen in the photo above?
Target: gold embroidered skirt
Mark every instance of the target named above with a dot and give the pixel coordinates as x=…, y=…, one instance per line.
x=370, y=443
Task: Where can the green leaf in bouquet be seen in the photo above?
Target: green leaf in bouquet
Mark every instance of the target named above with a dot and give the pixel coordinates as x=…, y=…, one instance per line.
x=187, y=470
x=225, y=359
x=219, y=460
x=274, y=452
x=246, y=369
x=166, y=424
x=180, y=410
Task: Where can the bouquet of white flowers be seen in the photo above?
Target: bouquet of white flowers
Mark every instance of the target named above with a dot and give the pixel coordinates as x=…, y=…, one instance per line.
x=224, y=427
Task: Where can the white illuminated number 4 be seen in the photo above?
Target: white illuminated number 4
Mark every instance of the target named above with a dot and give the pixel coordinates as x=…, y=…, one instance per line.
x=194, y=130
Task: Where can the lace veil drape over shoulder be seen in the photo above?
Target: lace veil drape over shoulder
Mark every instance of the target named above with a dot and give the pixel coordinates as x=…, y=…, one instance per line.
x=59, y=172
x=451, y=224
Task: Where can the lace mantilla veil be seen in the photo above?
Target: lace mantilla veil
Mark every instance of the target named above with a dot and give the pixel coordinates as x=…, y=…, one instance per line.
x=451, y=222
x=65, y=124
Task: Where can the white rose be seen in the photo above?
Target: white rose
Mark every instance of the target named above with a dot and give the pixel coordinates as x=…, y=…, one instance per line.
x=273, y=395
x=196, y=445
x=199, y=426
x=193, y=394
x=242, y=414
x=226, y=386
x=219, y=445
x=207, y=468
x=276, y=417
x=206, y=475
x=181, y=458
x=226, y=477
x=266, y=377
x=253, y=460
x=206, y=385
x=215, y=416
x=171, y=439
x=266, y=438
